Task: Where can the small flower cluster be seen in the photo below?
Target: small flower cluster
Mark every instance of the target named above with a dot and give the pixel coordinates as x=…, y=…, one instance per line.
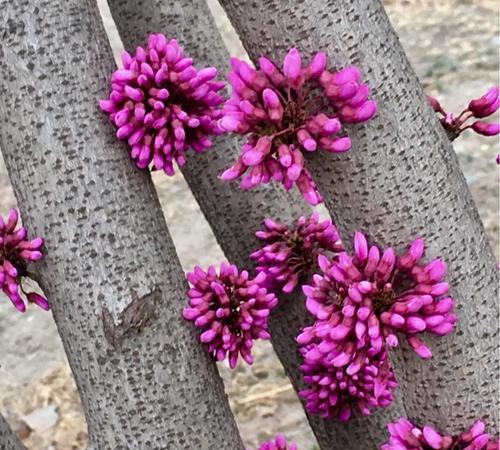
x=288, y=112
x=404, y=435
x=231, y=309
x=360, y=304
x=15, y=252
x=334, y=386
x=162, y=105
x=278, y=443
x=289, y=255
x=478, y=108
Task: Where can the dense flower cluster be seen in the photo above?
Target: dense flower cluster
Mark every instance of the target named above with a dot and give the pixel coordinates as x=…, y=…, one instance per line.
x=360, y=303
x=162, y=105
x=289, y=255
x=369, y=298
x=231, y=309
x=404, y=435
x=336, y=388
x=288, y=112
x=478, y=108
x=15, y=252
x=278, y=443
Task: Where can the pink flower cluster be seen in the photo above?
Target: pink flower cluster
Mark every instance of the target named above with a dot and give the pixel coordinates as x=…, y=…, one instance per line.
x=231, y=309
x=335, y=388
x=278, y=443
x=404, y=435
x=362, y=303
x=162, y=105
x=478, y=108
x=289, y=256
x=15, y=252
x=288, y=112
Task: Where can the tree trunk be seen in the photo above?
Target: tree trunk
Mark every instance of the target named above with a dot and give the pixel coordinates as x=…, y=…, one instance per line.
x=400, y=180
x=110, y=270
x=9, y=439
x=235, y=215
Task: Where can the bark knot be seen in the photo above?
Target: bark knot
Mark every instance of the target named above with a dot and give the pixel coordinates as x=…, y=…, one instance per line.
x=140, y=313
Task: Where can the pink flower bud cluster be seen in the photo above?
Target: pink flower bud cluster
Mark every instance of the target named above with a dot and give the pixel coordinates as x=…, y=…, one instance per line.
x=362, y=303
x=15, y=252
x=278, y=443
x=231, y=309
x=162, y=105
x=286, y=113
x=478, y=108
x=404, y=435
x=335, y=389
x=289, y=255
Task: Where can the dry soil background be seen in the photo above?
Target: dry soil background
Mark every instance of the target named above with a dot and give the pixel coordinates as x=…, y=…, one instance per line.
x=453, y=46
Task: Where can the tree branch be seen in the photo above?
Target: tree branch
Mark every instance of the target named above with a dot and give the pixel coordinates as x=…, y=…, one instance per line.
x=110, y=271
x=400, y=180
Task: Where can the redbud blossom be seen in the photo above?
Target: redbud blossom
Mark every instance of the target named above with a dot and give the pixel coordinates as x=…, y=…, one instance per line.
x=289, y=255
x=333, y=391
x=286, y=113
x=15, y=251
x=478, y=108
x=162, y=106
x=404, y=435
x=231, y=309
x=368, y=299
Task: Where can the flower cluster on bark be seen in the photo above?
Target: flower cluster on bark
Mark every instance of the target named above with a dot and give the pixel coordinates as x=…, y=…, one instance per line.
x=289, y=112
x=15, y=252
x=231, y=309
x=289, y=255
x=361, y=303
x=162, y=105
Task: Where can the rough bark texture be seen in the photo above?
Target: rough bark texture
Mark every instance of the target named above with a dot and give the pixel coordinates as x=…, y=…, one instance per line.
x=235, y=215
x=110, y=271
x=9, y=439
x=400, y=180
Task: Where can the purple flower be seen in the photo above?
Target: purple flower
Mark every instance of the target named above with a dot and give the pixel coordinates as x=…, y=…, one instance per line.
x=278, y=443
x=286, y=113
x=162, y=105
x=404, y=435
x=334, y=391
x=15, y=252
x=289, y=255
x=231, y=309
x=368, y=299
x=478, y=108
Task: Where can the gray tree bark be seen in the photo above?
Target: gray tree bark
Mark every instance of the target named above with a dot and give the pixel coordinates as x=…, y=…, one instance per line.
x=110, y=270
x=235, y=215
x=400, y=180
x=9, y=439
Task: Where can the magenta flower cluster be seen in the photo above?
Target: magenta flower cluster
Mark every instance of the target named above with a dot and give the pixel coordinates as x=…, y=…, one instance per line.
x=404, y=435
x=478, y=108
x=231, y=309
x=361, y=304
x=15, y=251
x=162, y=105
x=286, y=113
x=336, y=387
x=289, y=255
x=278, y=443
